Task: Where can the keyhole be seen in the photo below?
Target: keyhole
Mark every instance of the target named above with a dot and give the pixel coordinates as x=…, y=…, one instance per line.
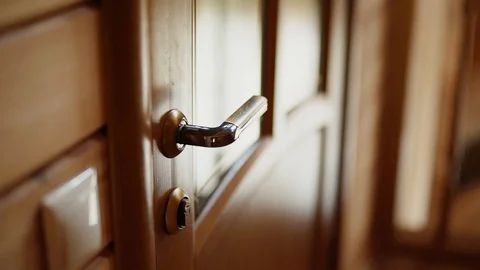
x=183, y=213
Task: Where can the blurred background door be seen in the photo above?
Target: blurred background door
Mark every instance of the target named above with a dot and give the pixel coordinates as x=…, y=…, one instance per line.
x=411, y=195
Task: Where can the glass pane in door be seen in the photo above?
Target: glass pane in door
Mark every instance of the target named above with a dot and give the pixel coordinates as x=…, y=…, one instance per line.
x=228, y=72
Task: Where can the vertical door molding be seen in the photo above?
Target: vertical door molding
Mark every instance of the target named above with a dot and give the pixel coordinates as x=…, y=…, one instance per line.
x=130, y=134
x=269, y=54
x=332, y=85
x=377, y=65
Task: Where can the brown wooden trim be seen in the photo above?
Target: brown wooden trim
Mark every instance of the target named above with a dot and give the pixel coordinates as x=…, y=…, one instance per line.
x=130, y=133
x=371, y=58
x=460, y=50
x=327, y=253
x=432, y=236
x=336, y=246
x=269, y=53
x=321, y=243
x=392, y=94
x=326, y=11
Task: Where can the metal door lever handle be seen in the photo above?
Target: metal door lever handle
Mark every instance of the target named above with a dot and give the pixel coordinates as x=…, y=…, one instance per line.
x=176, y=132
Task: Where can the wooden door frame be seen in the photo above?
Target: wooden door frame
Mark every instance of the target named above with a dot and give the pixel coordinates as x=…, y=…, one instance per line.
x=129, y=133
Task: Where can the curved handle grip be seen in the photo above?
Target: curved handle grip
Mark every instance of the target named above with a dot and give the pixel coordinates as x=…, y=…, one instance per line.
x=176, y=130
x=228, y=131
x=252, y=109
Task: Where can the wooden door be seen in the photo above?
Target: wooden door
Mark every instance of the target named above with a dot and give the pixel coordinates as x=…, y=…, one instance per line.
x=273, y=203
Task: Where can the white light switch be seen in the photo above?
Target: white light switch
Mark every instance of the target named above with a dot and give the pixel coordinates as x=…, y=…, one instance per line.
x=72, y=222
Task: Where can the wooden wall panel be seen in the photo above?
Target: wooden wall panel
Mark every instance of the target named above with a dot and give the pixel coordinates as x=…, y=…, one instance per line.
x=21, y=240
x=52, y=94
x=18, y=11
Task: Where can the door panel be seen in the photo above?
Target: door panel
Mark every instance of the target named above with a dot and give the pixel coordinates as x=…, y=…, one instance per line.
x=270, y=221
x=298, y=60
x=282, y=214
x=228, y=53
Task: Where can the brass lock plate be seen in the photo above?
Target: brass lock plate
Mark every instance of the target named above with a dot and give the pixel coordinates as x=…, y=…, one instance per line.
x=177, y=211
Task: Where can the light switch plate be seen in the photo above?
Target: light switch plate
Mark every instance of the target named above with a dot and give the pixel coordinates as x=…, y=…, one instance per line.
x=72, y=222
